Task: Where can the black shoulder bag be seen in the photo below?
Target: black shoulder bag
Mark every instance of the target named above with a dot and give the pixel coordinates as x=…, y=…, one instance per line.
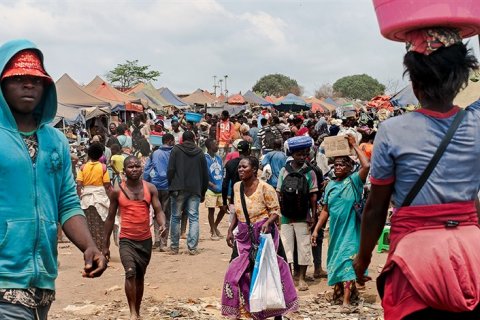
x=254, y=246
x=436, y=158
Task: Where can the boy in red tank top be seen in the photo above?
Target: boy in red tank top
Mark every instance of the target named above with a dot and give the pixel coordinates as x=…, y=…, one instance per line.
x=133, y=198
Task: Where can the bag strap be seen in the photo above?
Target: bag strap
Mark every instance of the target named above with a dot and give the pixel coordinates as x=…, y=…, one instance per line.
x=436, y=158
x=251, y=232
x=123, y=190
x=244, y=204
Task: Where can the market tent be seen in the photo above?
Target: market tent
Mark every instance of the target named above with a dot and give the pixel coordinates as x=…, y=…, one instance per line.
x=468, y=95
x=332, y=102
x=201, y=97
x=221, y=98
x=69, y=93
x=253, y=98
x=381, y=102
x=317, y=107
x=171, y=98
x=292, y=103
x=318, y=104
x=232, y=109
x=404, y=97
x=70, y=115
x=104, y=90
x=94, y=112
x=325, y=104
x=236, y=99
x=148, y=92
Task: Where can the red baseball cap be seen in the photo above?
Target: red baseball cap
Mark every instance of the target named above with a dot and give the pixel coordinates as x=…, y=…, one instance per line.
x=25, y=63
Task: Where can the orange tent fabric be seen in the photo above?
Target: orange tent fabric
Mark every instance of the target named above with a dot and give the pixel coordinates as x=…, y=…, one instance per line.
x=200, y=97
x=317, y=107
x=236, y=99
x=104, y=90
x=381, y=102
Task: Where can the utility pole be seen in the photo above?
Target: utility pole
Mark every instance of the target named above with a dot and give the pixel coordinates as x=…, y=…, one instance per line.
x=221, y=87
x=226, y=90
x=215, y=85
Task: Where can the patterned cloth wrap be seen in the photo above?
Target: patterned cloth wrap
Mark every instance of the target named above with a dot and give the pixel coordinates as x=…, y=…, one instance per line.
x=236, y=287
x=427, y=41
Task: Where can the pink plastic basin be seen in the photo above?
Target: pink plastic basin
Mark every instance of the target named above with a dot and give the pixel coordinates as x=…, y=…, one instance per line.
x=396, y=17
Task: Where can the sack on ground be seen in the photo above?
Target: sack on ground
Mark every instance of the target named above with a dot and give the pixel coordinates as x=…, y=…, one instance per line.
x=266, y=291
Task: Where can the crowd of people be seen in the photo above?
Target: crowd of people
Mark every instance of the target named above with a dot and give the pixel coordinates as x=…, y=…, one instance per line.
x=205, y=163
x=268, y=173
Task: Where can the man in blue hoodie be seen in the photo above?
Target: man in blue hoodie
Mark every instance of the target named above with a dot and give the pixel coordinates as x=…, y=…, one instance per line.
x=37, y=190
x=156, y=173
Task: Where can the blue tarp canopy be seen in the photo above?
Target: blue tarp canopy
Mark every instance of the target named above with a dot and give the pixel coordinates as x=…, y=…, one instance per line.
x=168, y=95
x=404, y=97
x=292, y=103
x=252, y=98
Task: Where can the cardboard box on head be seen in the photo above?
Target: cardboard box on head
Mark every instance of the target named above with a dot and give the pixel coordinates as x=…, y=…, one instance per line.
x=336, y=146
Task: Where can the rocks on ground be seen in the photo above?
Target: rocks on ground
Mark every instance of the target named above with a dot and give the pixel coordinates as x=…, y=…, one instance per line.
x=311, y=308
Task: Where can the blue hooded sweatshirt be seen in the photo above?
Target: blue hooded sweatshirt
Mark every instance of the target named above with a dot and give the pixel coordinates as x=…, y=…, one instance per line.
x=156, y=168
x=34, y=197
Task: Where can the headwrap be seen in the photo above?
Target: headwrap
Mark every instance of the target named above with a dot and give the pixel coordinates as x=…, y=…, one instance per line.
x=427, y=41
x=25, y=63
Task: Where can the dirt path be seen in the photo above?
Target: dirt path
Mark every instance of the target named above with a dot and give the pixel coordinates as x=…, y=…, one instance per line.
x=177, y=287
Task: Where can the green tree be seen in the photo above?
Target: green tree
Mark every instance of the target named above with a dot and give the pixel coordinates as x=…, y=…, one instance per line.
x=128, y=74
x=277, y=85
x=360, y=86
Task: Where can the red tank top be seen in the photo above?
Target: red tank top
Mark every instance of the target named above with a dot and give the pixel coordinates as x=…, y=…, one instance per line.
x=135, y=215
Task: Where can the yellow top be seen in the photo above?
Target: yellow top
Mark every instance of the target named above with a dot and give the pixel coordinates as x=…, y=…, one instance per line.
x=117, y=162
x=260, y=205
x=93, y=173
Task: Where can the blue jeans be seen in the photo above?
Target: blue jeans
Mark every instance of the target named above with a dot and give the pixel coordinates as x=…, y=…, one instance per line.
x=10, y=311
x=191, y=202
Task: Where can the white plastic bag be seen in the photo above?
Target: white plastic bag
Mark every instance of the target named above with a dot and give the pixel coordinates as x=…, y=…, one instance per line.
x=266, y=291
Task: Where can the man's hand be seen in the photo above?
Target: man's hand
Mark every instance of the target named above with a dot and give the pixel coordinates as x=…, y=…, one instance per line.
x=230, y=238
x=313, y=239
x=95, y=263
x=162, y=229
x=265, y=227
x=360, y=267
x=106, y=253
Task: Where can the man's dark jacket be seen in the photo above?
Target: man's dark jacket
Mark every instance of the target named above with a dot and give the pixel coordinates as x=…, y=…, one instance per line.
x=187, y=169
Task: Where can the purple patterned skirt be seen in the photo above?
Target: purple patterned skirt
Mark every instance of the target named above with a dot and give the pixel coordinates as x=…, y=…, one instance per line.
x=236, y=287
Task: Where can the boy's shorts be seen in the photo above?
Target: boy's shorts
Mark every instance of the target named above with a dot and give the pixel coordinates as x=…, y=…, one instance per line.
x=213, y=199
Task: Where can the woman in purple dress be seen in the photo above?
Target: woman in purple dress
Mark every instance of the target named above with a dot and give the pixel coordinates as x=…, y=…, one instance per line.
x=263, y=210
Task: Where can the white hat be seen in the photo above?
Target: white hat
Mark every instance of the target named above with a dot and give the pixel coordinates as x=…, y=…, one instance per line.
x=236, y=142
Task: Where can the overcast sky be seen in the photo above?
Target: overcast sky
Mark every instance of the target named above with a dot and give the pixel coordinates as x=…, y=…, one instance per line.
x=189, y=41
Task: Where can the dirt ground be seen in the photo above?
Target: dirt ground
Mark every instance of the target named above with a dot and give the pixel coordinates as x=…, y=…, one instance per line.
x=191, y=281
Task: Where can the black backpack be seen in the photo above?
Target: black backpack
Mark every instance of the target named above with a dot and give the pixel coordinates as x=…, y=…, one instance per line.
x=319, y=175
x=295, y=193
x=268, y=138
x=136, y=136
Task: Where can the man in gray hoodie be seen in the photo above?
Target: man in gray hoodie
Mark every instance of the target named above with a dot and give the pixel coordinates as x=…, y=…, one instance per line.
x=188, y=181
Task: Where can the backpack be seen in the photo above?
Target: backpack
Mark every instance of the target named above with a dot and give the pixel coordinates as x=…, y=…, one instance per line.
x=269, y=138
x=136, y=136
x=295, y=193
x=319, y=175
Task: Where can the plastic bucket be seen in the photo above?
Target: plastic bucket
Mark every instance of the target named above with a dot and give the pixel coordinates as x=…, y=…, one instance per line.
x=156, y=140
x=397, y=17
x=194, y=117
